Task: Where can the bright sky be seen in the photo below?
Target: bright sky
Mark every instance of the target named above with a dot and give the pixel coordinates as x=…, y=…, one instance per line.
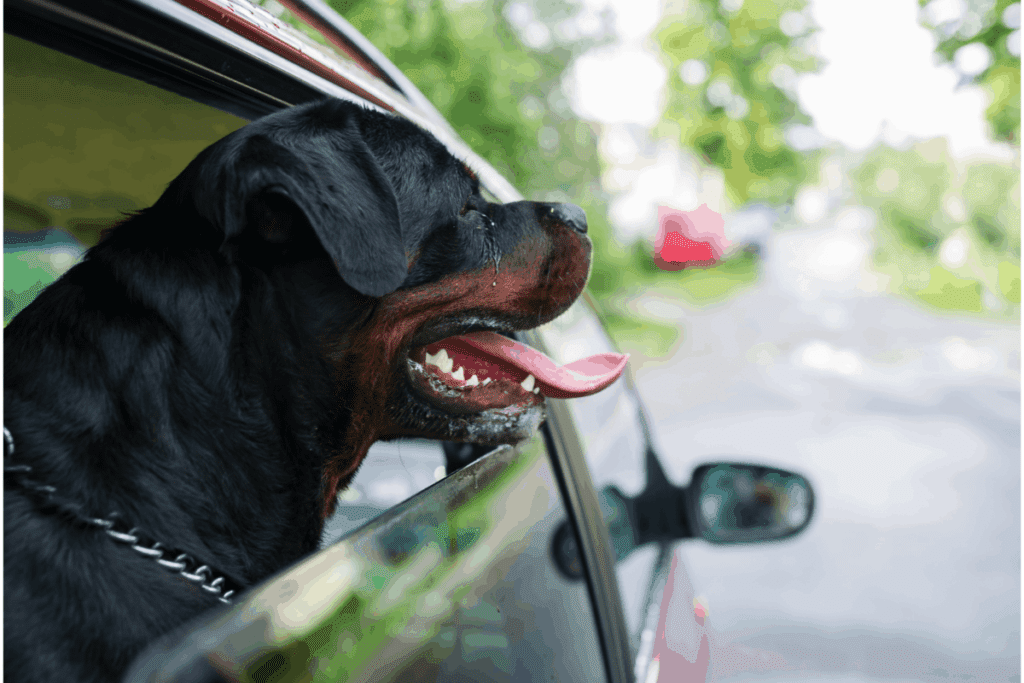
x=881, y=72
x=880, y=79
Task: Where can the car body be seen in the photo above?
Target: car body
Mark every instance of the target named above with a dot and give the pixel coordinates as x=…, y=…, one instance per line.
x=547, y=561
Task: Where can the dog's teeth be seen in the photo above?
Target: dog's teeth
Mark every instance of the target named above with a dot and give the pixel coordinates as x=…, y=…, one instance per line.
x=443, y=361
x=536, y=390
x=431, y=360
x=527, y=383
x=485, y=382
x=472, y=382
x=459, y=374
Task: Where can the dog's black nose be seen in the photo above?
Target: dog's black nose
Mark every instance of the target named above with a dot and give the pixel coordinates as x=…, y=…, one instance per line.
x=571, y=215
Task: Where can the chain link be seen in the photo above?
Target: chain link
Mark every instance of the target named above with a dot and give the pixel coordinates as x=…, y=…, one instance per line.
x=182, y=564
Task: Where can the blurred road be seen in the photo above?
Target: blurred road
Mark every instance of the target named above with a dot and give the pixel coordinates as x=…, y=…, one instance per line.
x=907, y=423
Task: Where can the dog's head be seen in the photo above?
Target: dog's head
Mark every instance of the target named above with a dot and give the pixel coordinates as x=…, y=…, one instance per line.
x=413, y=274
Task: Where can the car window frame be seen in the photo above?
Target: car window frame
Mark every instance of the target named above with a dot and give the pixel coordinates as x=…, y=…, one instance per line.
x=165, y=43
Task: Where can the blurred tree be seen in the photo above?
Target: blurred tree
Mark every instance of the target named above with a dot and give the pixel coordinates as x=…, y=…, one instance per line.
x=949, y=237
x=734, y=67
x=949, y=232
x=500, y=95
x=982, y=39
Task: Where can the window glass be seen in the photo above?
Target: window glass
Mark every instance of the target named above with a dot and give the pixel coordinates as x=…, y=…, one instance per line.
x=83, y=146
x=608, y=420
x=521, y=620
x=392, y=472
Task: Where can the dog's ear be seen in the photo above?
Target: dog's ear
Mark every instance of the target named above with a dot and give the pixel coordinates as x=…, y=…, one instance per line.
x=334, y=181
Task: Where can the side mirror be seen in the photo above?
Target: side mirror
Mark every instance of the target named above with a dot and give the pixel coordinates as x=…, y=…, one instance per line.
x=725, y=503
x=733, y=503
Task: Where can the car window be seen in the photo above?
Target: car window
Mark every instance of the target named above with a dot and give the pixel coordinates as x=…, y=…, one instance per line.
x=83, y=146
x=457, y=583
x=614, y=444
x=608, y=420
x=392, y=472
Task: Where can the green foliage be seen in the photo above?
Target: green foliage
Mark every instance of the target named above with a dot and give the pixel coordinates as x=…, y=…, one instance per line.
x=990, y=191
x=906, y=189
x=736, y=118
x=925, y=200
x=983, y=24
x=24, y=277
x=922, y=202
x=946, y=291
x=637, y=335
x=502, y=98
x=1004, y=113
x=1009, y=281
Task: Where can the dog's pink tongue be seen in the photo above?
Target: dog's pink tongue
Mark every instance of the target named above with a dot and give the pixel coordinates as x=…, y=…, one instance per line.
x=580, y=378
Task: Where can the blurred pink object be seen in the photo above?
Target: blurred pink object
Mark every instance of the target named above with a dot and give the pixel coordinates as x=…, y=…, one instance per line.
x=689, y=238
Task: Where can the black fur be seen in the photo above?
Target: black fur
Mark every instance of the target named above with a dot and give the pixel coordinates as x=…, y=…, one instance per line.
x=216, y=367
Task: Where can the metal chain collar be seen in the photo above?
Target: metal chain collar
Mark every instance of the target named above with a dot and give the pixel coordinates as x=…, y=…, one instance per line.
x=219, y=586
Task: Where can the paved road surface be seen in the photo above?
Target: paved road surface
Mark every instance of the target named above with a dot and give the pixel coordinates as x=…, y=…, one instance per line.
x=907, y=422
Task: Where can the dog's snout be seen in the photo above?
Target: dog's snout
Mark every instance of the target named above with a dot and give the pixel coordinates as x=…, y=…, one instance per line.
x=572, y=216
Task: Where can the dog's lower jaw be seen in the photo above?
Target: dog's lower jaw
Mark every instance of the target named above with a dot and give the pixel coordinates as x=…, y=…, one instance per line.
x=412, y=419
x=499, y=426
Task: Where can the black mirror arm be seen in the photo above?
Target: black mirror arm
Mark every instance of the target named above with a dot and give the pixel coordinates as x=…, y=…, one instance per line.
x=658, y=514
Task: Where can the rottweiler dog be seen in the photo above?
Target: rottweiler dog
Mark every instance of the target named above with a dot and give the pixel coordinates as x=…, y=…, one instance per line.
x=183, y=406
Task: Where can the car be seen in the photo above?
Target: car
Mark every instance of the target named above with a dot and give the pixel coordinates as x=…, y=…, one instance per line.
x=550, y=560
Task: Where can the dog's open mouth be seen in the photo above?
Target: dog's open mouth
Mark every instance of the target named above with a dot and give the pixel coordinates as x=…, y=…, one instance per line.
x=483, y=370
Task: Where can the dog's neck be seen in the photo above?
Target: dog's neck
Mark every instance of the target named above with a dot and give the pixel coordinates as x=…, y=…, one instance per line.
x=316, y=414
x=196, y=326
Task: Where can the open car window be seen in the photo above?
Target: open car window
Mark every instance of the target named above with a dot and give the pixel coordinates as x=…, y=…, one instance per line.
x=392, y=472
x=83, y=147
